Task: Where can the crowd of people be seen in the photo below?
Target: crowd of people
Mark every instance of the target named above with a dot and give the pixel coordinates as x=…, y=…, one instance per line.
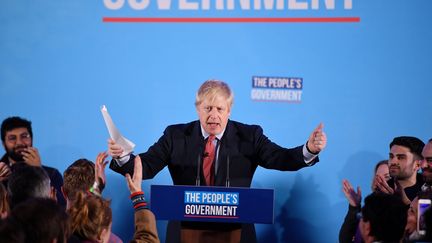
x=38, y=204
x=214, y=139
x=392, y=212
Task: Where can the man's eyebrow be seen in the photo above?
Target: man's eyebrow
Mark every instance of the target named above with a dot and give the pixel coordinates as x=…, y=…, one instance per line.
x=397, y=154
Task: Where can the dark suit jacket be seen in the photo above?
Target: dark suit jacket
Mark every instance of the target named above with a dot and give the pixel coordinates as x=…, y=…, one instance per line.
x=246, y=145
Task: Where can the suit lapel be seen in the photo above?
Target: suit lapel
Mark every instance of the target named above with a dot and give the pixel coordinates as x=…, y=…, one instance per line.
x=195, y=147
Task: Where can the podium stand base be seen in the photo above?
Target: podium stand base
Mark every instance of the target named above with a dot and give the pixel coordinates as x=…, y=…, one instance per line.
x=210, y=236
x=209, y=232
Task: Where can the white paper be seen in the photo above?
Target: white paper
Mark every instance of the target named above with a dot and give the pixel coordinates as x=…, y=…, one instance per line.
x=115, y=135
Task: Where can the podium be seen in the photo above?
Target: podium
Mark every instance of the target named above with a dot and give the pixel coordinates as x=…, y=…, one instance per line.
x=212, y=204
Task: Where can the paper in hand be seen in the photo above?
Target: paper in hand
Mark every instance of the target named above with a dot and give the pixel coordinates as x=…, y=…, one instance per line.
x=115, y=135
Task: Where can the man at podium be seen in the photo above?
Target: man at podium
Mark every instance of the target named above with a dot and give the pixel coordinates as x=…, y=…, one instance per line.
x=199, y=153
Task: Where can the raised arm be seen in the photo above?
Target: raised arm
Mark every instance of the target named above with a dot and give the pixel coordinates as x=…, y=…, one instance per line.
x=145, y=222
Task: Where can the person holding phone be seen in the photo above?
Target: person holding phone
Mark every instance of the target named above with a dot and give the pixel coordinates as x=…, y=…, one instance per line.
x=423, y=205
x=415, y=228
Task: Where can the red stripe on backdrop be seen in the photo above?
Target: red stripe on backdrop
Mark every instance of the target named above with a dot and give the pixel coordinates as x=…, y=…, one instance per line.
x=231, y=20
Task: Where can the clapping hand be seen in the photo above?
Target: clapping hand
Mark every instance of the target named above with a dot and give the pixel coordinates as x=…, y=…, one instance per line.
x=354, y=198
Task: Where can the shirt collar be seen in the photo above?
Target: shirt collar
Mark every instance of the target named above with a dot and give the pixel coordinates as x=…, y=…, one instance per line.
x=205, y=134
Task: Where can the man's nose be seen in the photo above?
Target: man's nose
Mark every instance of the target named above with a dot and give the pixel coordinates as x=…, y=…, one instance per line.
x=392, y=161
x=213, y=112
x=19, y=140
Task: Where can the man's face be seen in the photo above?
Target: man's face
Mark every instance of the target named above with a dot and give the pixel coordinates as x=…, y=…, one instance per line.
x=411, y=225
x=426, y=164
x=401, y=163
x=213, y=115
x=16, y=140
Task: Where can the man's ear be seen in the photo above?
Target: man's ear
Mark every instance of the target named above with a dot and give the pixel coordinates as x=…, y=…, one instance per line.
x=53, y=194
x=417, y=164
x=63, y=192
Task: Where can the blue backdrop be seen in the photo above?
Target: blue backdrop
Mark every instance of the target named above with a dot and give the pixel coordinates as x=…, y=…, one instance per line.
x=367, y=81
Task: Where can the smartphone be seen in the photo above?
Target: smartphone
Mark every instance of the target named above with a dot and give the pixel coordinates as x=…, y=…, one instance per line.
x=423, y=205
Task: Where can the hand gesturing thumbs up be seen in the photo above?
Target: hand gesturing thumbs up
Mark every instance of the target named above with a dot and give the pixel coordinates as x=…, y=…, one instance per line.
x=317, y=140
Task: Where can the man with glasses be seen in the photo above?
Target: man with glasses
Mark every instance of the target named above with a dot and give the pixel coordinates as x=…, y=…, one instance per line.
x=17, y=139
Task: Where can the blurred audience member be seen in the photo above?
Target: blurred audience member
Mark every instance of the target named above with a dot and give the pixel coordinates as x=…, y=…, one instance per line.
x=91, y=215
x=4, y=203
x=411, y=229
x=81, y=176
x=41, y=220
x=383, y=218
x=17, y=138
x=349, y=230
x=90, y=218
x=426, y=166
x=428, y=222
x=145, y=222
x=381, y=169
x=10, y=231
x=28, y=182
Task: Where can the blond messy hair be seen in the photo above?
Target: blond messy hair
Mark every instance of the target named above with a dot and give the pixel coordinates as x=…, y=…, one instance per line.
x=213, y=88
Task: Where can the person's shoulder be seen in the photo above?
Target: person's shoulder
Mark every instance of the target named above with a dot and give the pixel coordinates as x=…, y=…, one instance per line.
x=51, y=170
x=243, y=126
x=48, y=168
x=244, y=131
x=183, y=128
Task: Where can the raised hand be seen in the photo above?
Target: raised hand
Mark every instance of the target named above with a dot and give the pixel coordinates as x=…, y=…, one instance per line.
x=4, y=171
x=100, y=165
x=382, y=185
x=31, y=156
x=401, y=192
x=354, y=198
x=134, y=183
x=317, y=140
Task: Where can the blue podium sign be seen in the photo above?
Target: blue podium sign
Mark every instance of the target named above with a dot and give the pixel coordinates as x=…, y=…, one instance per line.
x=212, y=204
